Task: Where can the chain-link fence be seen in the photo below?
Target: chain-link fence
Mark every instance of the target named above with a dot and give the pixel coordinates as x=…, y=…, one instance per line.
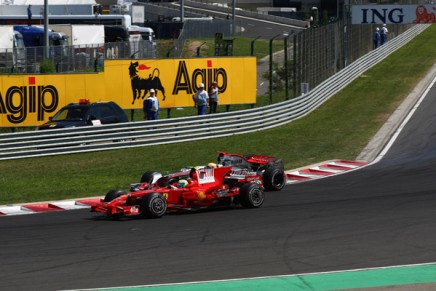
x=65, y=59
x=314, y=54
x=204, y=29
x=320, y=52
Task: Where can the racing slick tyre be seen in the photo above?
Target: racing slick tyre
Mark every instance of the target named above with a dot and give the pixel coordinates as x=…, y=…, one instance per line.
x=251, y=195
x=113, y=194
x=150, y=177
x=274, y=179
x=153, y=205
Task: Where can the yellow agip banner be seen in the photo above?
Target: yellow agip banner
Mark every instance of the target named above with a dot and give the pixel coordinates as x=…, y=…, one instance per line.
x=29, y=100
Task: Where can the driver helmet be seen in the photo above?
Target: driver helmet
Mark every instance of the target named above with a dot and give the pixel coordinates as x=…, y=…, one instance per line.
x=212, y=165
x=182, y=183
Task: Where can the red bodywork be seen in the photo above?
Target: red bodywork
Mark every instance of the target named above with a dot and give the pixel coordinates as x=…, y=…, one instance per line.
x=207, y=187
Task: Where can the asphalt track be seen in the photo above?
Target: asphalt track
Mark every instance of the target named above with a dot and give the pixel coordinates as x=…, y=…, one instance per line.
x=379, y=216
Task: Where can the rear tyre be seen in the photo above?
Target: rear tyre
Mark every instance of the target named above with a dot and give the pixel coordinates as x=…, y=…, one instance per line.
x=251, y=195
x=274, y=179
x=113, y=194
x=149, y=177
x=153, y=205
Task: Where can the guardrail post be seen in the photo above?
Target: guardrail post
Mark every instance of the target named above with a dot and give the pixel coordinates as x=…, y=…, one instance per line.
x=132, y=113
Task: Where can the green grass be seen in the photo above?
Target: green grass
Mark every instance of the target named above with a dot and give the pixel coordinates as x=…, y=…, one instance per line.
x=241, y=47
x=339, y=129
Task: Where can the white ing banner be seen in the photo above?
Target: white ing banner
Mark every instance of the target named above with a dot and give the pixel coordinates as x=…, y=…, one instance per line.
x=393, y=14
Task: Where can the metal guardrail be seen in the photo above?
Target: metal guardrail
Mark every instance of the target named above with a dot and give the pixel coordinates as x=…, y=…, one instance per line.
x=165, y=131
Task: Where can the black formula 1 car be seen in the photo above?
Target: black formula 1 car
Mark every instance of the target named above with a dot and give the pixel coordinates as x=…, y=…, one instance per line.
x=269, y=168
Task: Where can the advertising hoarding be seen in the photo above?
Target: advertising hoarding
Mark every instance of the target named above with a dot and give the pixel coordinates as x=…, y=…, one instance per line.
x=29, y=100
x=393, y=14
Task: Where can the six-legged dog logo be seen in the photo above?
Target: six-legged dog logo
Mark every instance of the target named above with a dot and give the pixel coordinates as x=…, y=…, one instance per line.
x=144, y=84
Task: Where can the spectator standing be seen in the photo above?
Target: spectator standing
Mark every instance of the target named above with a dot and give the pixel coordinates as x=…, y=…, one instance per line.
x=383, y=34
x=151, y=106
x=201, y=98
x=376, y=38
x=213, y=97
x=146, y=105
x=29, y=14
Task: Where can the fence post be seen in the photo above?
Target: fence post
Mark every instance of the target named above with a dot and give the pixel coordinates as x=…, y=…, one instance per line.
x=252, y=45
x=286, y=37
x=295, y=65
x=198, y=49
x=271, y=66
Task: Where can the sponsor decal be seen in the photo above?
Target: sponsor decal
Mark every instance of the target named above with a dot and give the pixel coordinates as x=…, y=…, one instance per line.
x=242, y=172
x=134, y=209
x=259, y=159
x=233, y=160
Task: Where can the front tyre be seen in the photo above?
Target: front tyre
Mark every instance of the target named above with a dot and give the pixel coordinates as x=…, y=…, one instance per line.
x=251, y=195
x=153, y=205
x=274, y=179
x=113, y=194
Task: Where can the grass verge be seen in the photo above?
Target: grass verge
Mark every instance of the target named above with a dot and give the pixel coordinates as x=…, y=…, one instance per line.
x=241, y=47
x=339, y=129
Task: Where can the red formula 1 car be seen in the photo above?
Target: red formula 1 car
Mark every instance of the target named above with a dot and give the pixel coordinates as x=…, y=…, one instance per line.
x=187, y=190
x=269, y=168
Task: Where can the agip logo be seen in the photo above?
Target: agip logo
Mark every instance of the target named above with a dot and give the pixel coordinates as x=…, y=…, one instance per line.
x=188, y=81
x=19, y=101
x=143, y=85
x=185, y=81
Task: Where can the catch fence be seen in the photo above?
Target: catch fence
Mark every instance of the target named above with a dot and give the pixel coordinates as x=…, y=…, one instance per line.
x=72, y=59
